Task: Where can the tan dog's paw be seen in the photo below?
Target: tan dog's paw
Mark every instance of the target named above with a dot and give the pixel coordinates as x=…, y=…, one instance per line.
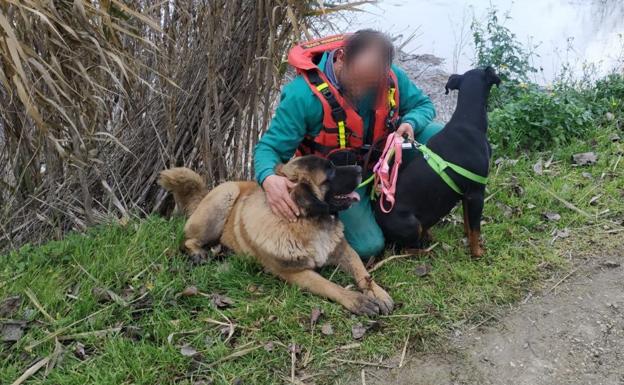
x=386, y=304
x=360, y=304
x=199, y=257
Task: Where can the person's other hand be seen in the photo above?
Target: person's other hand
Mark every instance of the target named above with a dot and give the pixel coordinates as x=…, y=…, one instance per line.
x=276, y=189
x=406, y=129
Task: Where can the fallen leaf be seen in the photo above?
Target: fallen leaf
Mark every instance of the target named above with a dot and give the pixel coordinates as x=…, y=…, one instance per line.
x=188, y=351
x=423, y=269
x=79, y=351
x=538, y=167
x=531, y=206
x=506, y=210
x=294, y=348
x=562, y=233
x=220, y=301
x=315, y=315
x=358, y=330
x=103, y=295
x=552, y=216
x=516, y=188
x=587, y=175
x=585, y=158
x=9, y=306
x=100, y=295
x=12, y=331
x=327, y=329
x=189, y=291
x=594, y=200
x=610, y=264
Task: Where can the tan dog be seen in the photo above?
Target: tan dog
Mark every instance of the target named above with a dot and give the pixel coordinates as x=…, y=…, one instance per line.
x=237, y=215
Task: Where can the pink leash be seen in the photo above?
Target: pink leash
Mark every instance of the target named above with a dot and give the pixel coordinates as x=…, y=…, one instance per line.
x=386, y=178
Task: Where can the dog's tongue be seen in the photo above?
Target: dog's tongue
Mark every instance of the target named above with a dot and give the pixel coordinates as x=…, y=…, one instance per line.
x=354, y=195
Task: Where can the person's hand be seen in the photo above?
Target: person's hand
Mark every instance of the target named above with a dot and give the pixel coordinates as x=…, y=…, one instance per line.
x=276, y=189
x=406, y=129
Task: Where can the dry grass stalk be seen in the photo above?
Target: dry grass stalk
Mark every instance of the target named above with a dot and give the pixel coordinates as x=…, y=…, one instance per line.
x=96, y=97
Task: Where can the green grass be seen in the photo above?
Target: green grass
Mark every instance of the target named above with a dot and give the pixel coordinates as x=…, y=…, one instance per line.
x=142, y=257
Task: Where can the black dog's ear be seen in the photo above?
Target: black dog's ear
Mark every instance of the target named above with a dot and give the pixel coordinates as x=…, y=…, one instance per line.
x=453, y=83
x=311, y=205
x=491, y=76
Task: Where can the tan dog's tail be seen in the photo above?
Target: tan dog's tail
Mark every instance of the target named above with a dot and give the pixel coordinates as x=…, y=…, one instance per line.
x=187, y=186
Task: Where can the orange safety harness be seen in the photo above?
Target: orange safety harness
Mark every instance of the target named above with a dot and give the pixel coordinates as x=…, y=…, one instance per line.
x=343, y=128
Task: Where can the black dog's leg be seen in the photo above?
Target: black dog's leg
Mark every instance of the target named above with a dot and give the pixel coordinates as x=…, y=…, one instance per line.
x=466, y=221
x=473, y=210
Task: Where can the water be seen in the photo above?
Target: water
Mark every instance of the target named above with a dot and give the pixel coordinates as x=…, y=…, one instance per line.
x=566, y=31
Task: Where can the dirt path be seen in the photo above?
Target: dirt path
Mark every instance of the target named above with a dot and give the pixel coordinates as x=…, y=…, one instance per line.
x=573, y=333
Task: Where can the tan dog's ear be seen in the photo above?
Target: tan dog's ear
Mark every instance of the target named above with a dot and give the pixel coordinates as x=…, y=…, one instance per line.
x=306, y=199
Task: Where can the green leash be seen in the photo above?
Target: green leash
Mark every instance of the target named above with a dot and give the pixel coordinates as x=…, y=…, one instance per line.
x=438, y=165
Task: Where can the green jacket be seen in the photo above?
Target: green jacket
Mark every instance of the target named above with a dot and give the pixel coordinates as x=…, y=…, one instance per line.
x=300, y=113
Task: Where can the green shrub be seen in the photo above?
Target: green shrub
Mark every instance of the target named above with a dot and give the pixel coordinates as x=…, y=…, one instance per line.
x=496, y=46
x=538, y=119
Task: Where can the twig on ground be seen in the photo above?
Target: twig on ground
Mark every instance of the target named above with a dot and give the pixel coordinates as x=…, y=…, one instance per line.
x=354, y=345
x=62, y=330
x=365, y=363
x=236, y=354
x=404, y=350
x=482, y=322
x=97, y=281
x=95, y=333
x=565, y=202
x=617, y=162
x=490, y=196
x=333, y=272
x=33, y=298
x=415, y=315
x=384, y=261
x=15, y=278
x=363, y=377
x=561, y=280
x=32, y=370
x=293, y=361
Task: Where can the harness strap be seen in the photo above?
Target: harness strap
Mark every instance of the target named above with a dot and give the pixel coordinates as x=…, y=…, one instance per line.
x=338, y=113
x=385, y=176
x=439, y=165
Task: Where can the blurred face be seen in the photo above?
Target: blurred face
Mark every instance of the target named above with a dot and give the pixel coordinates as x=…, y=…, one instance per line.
x=362, y=74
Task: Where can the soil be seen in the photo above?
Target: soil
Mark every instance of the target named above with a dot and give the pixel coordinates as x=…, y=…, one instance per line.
x=571, y=333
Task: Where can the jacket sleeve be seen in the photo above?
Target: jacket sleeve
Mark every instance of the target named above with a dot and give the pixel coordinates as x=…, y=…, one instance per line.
x=299, y=113
x=414, y=106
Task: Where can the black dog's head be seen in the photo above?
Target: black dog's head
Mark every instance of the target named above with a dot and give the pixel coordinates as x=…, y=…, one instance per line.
x=321, y=187
x=487, y=76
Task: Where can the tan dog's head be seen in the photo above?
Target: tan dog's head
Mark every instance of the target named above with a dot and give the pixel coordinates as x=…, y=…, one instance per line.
x=321, y=187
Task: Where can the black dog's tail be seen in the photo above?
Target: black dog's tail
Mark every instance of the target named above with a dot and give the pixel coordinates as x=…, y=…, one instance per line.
x=187, y=186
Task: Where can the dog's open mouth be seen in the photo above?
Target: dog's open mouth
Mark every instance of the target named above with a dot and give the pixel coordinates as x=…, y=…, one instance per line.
x=349, y=198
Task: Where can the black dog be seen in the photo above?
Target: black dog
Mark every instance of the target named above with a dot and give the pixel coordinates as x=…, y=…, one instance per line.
x=422, y=196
